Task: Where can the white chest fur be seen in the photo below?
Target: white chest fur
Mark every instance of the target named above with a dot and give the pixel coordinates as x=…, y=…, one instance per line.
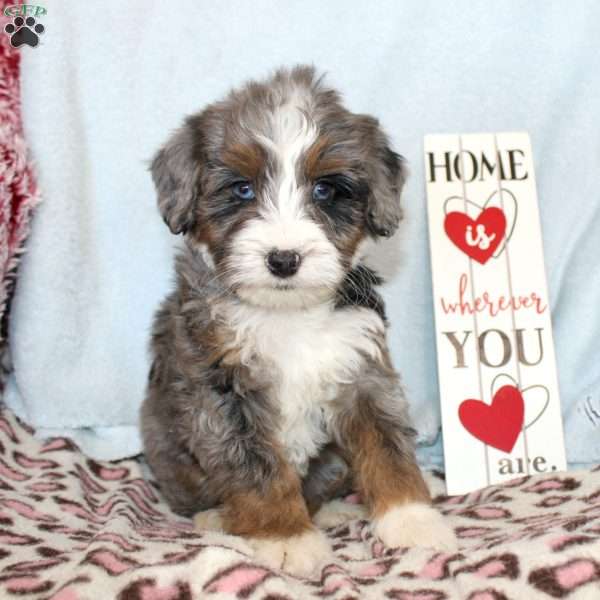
x=306, y=354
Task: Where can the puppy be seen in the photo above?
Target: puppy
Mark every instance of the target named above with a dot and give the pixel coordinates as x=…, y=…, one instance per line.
x=271, y=390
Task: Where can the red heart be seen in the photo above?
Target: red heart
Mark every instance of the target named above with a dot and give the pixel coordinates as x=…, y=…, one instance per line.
x=497, y=424
x=491, y=222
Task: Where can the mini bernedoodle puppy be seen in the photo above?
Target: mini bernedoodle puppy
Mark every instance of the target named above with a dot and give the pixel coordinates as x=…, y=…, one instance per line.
x=271, y=390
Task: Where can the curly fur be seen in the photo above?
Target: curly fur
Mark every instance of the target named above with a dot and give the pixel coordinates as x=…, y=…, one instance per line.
x=272, y=395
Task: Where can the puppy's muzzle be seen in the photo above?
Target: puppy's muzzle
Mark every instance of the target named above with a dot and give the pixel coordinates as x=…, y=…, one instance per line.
x=283, y=263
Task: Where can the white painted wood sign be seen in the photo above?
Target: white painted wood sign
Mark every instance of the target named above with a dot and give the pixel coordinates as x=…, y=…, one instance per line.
x=499, y=393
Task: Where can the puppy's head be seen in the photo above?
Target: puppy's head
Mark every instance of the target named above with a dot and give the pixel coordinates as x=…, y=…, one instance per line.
x=278, y=185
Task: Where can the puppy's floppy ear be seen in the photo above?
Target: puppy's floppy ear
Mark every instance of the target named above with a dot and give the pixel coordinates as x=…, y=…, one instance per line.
x=387, y=174
x=176, y=170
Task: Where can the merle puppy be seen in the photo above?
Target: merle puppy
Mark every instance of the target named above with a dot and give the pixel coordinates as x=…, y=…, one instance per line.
x=271, y=390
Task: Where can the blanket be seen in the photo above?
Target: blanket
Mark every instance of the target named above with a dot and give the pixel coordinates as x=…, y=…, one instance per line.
x=108, y=83
x=74, y=528
x=18, y=190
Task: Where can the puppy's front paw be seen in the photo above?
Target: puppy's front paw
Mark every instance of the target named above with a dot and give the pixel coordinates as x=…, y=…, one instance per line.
x=415, y=525
x=301, y=555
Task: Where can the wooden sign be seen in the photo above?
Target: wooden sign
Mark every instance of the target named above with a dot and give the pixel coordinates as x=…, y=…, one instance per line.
x=499, y=393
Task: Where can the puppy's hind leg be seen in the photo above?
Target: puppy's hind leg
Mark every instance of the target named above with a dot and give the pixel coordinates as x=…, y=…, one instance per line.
x=181, y=479
x=328, y=479
x=209, y=520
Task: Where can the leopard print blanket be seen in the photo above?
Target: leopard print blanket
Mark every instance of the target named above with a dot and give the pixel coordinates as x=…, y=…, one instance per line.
x=72, y=528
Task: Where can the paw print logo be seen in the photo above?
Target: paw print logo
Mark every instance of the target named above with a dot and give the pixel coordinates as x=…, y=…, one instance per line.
x=24, y=31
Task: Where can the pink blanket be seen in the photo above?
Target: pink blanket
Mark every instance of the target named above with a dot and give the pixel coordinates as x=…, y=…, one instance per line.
x=72, y=528
x=18, y=190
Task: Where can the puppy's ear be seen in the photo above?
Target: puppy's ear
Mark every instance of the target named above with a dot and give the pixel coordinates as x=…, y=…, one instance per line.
x=176, y=170
x=387, y=174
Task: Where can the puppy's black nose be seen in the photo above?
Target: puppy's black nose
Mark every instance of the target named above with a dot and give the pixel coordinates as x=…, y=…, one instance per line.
x=283, y=263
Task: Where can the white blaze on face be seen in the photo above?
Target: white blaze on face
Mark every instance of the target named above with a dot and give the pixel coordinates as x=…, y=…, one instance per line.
x=284, y=225
x=293, y=134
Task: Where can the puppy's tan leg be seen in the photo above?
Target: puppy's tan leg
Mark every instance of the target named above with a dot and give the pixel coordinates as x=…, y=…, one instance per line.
x=395, y=492
x=276, y=522
x=329, y=477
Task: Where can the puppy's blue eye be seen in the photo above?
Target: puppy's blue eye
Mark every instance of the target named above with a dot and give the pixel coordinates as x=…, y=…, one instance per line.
x=322, y=191
x=244, y=190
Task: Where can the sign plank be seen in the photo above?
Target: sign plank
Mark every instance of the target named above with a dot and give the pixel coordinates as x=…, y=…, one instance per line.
x=499, y=392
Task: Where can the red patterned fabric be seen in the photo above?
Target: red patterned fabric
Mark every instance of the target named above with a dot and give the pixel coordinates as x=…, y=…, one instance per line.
x=18, y=189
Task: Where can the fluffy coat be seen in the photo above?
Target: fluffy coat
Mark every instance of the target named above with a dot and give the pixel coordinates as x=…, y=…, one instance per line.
x=271, y=389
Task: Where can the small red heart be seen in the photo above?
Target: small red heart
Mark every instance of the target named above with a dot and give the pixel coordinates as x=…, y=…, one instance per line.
x=497, y=424
x=477, y=238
